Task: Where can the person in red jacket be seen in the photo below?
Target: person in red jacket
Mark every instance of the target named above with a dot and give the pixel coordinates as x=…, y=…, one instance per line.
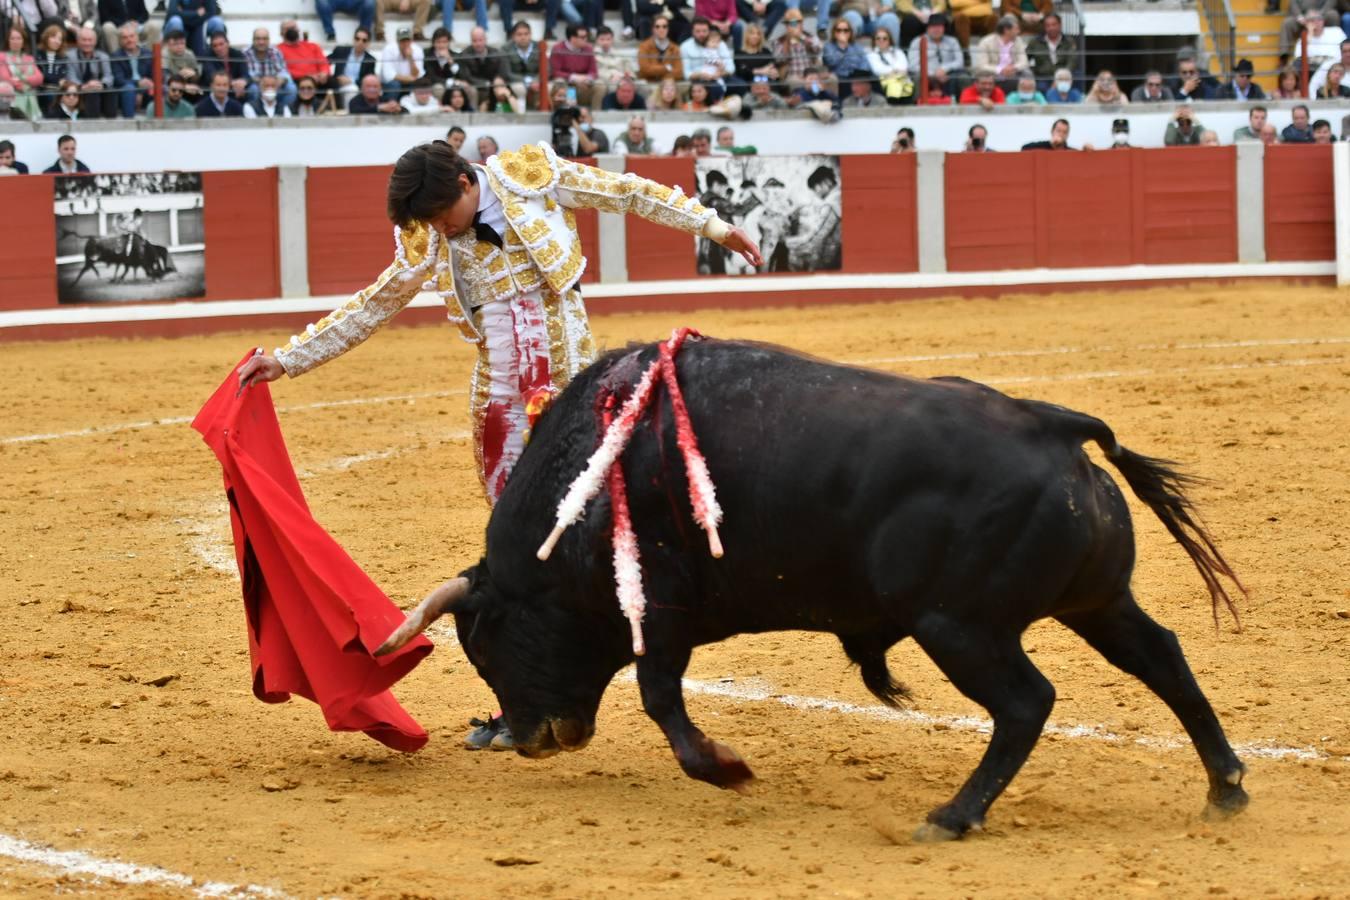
x=304, y=57
x=983, y=92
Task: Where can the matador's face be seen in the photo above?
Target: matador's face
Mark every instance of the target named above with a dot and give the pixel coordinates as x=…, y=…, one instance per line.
x=458, y=217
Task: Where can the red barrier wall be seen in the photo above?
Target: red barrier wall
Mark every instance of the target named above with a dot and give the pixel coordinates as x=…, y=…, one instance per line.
x=1121, y=207
x=654, y=251
x=1300, y=203
x=27, y=252
x=880, y=213
x=350, y=239
x=239, y=215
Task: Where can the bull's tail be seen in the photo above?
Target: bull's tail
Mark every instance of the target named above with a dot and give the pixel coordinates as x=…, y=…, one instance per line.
x=1162, y=487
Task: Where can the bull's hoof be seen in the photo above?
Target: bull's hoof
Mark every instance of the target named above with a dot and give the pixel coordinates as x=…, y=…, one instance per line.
x=932, y=833
x=732, y=771
x=1227, y=805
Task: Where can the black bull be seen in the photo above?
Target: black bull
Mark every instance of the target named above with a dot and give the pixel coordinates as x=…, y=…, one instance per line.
x=870, y=506
x=116, y=250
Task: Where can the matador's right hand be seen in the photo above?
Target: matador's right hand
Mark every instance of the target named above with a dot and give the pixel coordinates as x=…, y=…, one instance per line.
x=259, y=368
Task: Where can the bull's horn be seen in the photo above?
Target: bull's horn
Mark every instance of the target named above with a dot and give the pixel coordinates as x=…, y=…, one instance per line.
x=437, y=604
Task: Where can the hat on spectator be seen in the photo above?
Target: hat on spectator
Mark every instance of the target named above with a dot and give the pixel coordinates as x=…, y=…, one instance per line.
x=1244, y=67
x=404, y=34
x=937, y=19
x=1120, y=125
x=175, y=33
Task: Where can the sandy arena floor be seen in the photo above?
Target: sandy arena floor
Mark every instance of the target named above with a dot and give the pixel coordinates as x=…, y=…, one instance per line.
x=117, y=572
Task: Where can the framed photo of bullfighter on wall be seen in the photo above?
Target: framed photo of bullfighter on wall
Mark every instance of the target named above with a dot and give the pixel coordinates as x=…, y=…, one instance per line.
x=789, y=205
x=123, y=238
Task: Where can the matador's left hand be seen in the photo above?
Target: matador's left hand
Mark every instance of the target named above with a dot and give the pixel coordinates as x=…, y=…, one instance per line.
x=739, y=242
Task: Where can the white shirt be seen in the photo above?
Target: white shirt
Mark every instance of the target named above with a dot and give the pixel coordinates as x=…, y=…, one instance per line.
x=392, y=63
x=273, y=111
x=414, y=108
x=490, y=213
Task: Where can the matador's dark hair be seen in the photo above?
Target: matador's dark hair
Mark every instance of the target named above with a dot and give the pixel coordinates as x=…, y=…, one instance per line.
x=425, y=183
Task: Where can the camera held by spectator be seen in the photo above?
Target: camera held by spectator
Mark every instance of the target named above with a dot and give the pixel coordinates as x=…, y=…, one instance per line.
x=564, y=121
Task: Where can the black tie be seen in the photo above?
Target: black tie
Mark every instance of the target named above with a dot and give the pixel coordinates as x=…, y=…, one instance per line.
x=486, y=232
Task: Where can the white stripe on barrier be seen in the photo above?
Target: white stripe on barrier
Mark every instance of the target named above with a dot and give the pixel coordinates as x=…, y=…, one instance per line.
x=76, y=862
x=976, y=355
x=768, y=284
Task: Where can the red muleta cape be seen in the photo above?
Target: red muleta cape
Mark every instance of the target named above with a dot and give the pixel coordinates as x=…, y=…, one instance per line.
x=314, y=617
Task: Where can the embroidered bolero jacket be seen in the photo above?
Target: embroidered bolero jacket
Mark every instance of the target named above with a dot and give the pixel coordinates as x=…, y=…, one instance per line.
x=541, y=250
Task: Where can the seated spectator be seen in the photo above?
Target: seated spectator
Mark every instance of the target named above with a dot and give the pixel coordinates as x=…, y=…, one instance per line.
x=983, y=92
x=1026, y=93
x=814, y=97
x=573, y=61
x=936, y=96
x=658, y=57
x=1051, y=50
x=706, y=59
x=264, y=59
x=401, y=63
x=861, y=95
x=596, y=141
x=113, y=14
x=456, y=100
x=667, y=95
x=520, y=64
x=946, y=62
x=1001, y=53
x=371, y=102
x=611, y=67
x=843, y=56
x=635, y=141
x=890, y=66
x=90, y=70
x=66, y=163
x=132, y=67
x=761, y=95
x=50, y=60
x=1286, y=85
x=8, y=164
x=904, y=141
x=1183, y=130
x=267, y=105
x=67, y=107
x=977, y=139
x=726, y=143
x=421, y=10
x=455, y=137
x=303, y=57
x=1256, y=121
x=1269, y=136
x=971, y=18
x=222, y=58
x=698, y=98
x=684, y=146
x=796, y=51
x=487, y=147
x=761, y=14
x=1299, y=131
x=310, y=102
x=19, y=71
x=501, y=99
x=1190, y=84
x=914, y=16
x=723, y=18
x=1333, y=88
x=755, y=56
x=176, y=103
x=1152, y=90
x=1030, y=14
x=1319, y=77
x=1322, y=132
x=480, y=15
x=364, y=10
x=702, y=142
x=1062, y=89
x=1106, y=91
x=1059, y=138
x=1209, y=138
x=625, y=97
x=353, y=63
x=420, y=101
x=1240, y=86
x=177, y=59
x=866, y=17
x=1120, y=134
x=218, y=103
x=198, y=20
x=1323, y=39
x=480, y=62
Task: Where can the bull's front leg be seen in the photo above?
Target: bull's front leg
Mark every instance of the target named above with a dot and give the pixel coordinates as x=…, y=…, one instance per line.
x=660, y=673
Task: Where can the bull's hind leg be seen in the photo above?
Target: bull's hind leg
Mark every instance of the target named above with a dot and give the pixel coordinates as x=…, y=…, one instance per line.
x=990, y=668
x=660, y=674
x=1134, y=643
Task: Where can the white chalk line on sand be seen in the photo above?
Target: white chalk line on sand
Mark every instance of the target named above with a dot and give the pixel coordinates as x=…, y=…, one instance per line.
x=76, y=862
x=872, y=361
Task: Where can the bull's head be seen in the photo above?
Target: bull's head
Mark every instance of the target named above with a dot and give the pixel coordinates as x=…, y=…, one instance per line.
x=548, y=663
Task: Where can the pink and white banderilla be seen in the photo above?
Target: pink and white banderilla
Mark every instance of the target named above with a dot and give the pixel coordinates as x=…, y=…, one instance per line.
x=604, y=469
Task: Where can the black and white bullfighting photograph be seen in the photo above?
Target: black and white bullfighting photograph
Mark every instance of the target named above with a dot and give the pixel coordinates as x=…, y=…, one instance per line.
x=128, y=237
